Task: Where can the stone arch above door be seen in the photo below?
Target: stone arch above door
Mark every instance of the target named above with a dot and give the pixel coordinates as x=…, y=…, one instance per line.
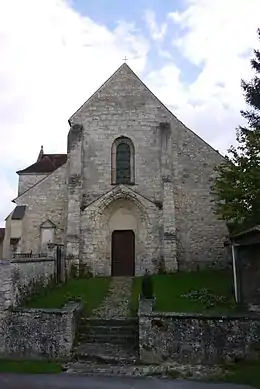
x=122, y=193
x=120, y=209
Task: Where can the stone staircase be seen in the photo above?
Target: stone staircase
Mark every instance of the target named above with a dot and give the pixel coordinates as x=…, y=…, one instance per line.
x=105, y=347
x=114, y=331
x=107, y=343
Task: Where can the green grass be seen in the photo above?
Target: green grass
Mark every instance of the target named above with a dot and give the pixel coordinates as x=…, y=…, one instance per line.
x=136, y=290
x=247, y=373
x=243, y=373
x=29, y=366
x=169, y=288
x=91, y=290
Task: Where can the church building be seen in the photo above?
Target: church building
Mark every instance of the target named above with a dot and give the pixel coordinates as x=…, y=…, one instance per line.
x=131, y=194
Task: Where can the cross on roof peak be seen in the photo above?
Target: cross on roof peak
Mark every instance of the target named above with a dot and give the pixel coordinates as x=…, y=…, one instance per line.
x=125, y=59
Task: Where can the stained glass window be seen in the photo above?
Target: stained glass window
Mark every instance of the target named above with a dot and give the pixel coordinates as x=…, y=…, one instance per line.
x=123, y=164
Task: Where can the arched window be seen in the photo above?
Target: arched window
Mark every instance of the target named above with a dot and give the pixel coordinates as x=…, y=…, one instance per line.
x=122, y=159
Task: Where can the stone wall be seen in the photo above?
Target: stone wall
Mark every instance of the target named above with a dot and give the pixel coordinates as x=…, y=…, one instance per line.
x=200, y=235
x=17, y=278
x=27, y=180
x=194, y=338
x=39, y=333
x=1, y=249
x=6, y=244
x=6, y=290
x=122, y=107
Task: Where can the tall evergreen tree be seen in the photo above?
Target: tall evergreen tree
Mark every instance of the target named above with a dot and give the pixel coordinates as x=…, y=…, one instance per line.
x=237, y=186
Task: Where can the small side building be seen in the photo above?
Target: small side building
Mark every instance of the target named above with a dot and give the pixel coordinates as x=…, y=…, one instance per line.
x=246, y=266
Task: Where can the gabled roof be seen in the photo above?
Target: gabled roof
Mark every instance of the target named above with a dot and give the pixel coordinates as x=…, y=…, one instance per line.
x=46, y=164
x=126, y=73
x=47, y=224
x=120, y=191
x=123, y=66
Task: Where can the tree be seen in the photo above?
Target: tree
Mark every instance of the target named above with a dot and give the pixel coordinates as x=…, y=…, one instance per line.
x=237, y=185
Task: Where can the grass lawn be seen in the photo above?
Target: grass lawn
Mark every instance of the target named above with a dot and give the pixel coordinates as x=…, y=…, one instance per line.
x=29, y=366
x=90, y=290
x=169, y=289
x=243, y=373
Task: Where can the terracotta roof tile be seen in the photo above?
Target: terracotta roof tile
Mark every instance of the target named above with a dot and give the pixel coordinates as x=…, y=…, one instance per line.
x=47, y=164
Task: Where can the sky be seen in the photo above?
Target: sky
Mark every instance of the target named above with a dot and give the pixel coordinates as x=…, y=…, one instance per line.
x=55, y=53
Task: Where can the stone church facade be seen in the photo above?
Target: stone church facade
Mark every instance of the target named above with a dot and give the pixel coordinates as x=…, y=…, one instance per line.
x=132, y=193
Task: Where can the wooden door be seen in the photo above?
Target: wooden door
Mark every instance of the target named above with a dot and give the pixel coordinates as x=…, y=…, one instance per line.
x=123, y=253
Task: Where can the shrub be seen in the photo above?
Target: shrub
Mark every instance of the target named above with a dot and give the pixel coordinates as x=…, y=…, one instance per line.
x=147, y=286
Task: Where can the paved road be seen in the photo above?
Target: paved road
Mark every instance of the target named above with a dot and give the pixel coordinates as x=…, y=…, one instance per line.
x=44, y=381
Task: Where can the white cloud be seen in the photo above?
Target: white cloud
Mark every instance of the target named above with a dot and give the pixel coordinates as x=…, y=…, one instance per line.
x=52, y=60
x=157, y=31
x=218, y=36
x=164, y=53
x=218, y=29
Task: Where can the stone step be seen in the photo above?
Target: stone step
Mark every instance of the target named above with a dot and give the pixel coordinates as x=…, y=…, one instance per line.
x=163, y=370
x=106, y=353
x=127, y=330
x=85, y=368
x=93, y=322
x=108, y=338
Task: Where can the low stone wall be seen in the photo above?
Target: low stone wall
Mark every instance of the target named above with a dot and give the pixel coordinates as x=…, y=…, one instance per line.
x=194, y=338
x=39, y=333
x=17, y=278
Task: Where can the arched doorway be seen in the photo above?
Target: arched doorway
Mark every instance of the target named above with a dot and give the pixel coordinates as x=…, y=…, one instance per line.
x=123, y=253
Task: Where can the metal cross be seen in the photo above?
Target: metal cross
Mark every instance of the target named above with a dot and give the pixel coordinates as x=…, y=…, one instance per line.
x=125, y=59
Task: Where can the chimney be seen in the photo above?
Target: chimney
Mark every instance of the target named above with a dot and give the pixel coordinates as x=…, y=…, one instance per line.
x=40, y=154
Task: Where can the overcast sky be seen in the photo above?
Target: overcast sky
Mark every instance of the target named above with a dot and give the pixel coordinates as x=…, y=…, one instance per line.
x=54, y=54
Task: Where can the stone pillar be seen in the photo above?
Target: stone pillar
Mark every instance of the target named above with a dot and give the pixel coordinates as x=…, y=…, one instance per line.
x=74, y=191
x=168, y=219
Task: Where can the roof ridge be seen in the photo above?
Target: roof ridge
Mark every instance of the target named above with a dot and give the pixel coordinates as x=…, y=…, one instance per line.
x=47, y=164
x=169, y=112
x=98, y=90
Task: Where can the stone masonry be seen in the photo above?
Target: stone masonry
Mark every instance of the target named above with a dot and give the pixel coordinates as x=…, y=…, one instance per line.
x=39, y=333
x=196, y=338
x=167, y=204
x=17, y=277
